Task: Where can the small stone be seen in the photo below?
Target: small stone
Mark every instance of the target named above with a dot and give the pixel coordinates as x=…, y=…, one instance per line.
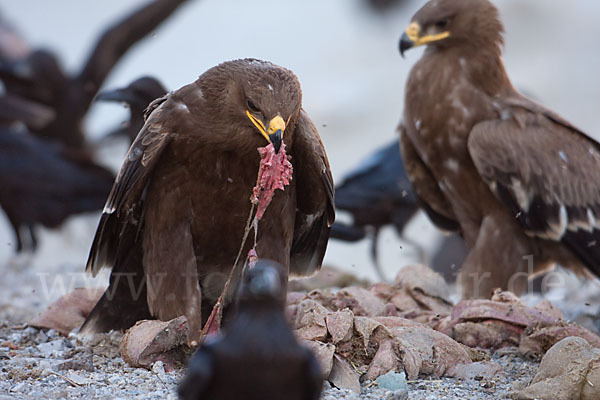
x=41, y=337
x=158, y=368
x=52, y=348
x=52, y=333
x=397, y=395
x=19, y=387
x=393, y=381
x=77, y=379
x=476, y=371
x=81, y=362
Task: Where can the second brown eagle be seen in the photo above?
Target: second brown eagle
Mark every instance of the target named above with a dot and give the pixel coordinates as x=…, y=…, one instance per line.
x=519, y=182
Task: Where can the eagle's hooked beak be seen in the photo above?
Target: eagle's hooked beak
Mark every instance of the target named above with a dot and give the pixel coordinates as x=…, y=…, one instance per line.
x=273, y=133
x=412, y=37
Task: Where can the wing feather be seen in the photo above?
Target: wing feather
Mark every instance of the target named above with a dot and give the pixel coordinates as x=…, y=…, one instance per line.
x=123, y=209
x=426, y=188
x=547, y=173
x=315, y=201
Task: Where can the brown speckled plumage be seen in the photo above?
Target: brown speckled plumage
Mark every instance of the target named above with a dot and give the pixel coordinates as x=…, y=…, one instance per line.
x=180, y=203
x=520, y=183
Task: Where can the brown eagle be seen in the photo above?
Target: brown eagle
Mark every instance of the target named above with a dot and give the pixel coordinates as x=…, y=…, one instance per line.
x=520, y=183
x=175, y=218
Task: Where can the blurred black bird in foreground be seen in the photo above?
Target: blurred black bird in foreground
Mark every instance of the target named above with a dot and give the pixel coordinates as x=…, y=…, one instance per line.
x=258, y=357
x=137, y=96
x=42, y=182
x=378, y=193
x=41, y=78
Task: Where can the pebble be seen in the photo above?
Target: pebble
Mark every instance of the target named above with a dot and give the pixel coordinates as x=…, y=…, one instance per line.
x=159, y=369
x=41, y=337
x=18, y=387
x=393, y=381
x=52, y=348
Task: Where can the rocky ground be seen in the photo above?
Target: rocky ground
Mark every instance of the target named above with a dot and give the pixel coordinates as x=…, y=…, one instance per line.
x=38, y=363
x=43, y=364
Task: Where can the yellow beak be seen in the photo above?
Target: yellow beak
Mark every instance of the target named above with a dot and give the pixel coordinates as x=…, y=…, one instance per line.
x=412, y=37
x=273, y=133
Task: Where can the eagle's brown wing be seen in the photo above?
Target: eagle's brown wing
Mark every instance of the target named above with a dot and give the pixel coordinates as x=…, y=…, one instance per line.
x=315, y=199
x=118, y=240
x=429, y=195
x=547, y=173
x=122, y=214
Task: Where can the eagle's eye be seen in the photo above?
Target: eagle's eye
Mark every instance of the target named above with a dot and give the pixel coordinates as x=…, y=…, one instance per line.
x=252, y=107
x=442, y=23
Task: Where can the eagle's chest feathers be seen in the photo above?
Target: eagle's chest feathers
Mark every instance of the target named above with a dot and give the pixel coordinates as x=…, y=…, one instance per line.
x=449, y=93
x=436, y=89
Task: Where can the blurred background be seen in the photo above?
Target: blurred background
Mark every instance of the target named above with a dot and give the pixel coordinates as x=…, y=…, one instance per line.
x=345, y=53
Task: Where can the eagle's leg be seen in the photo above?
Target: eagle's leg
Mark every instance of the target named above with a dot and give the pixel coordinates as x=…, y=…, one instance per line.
x=501, y=258
x=172, y=276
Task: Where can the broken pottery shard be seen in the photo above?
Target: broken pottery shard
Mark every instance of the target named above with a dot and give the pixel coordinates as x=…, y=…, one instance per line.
x=536, y=340
x=385, y=360
x=383, y=290
x=489, y=334
x=436, y=351
x=309, y=323
x=275, y=172
x=363, y=302
x=410, y=359
x=69, y=311
x=398, y=322
x=418, y=293
x=477, y=355
x=343, y=376
x=513, y=312
x=365, y=327
x=569, y=370
x=506, y=321
x=149, y=341
x=445, y=325
x=323, y=352
x=430, y=318
x=339, y=325
x=426, y=287
x=476, y=371
x=404, y=301
x=360, y=300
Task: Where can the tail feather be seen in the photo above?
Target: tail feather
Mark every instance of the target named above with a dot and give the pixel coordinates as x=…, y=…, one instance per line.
x=586, y=246
x=125, y=300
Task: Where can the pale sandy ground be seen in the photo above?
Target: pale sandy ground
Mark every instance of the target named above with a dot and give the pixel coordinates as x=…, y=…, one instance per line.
x=352, y=77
